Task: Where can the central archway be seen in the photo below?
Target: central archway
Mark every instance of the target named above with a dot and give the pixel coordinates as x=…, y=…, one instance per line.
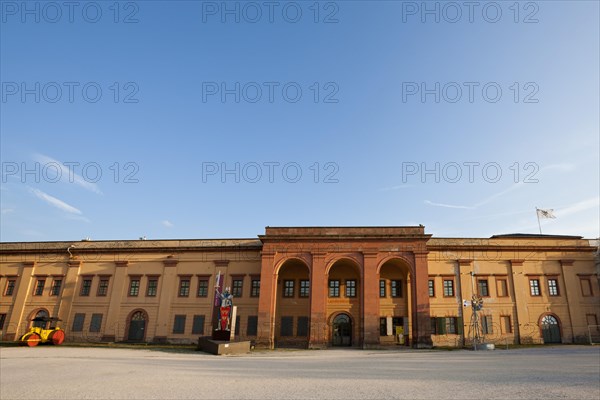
x=550, y=329
x=395, y=301
x=292, y=314
x=137, y=322
x=341, y=330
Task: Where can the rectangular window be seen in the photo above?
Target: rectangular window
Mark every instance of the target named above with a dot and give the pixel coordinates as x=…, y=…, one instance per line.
x=236, y=290
x=152, y=287
x=78, y=321
x=86, y=287
x=184, y=287
x=103, y=287
x=396, y=288
x=304, y=288
x=10, y=287
x=382, y=326
x=96, y=323
x=203, y=287
x=255, y=289
x=287, y=326
x=446, y=325
x=434, y=325
x=198, y=325
x=431, y=288
x=534, y=287
x=302, y=328
x=288, y=288
x=351, y=288
x=487, y=325
x=179, y=324
x=134, y=286
x=502, y=287
x=382, y=288
x=586, y=287
x=56, y=285
x=553, y=287
x=448, y=287
x=591, y=320
x=451, y=325
x=2, y=320
x=483, y=288
x=505, y=324
x=252, y=327
x=334, y=288
x=39, y=287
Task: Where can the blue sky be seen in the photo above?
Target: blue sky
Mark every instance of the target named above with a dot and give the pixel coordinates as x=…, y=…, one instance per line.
x=193, y=119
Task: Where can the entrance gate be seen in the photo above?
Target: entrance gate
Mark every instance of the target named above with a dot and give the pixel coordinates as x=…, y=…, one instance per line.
x=342, y=330
x=550, y=330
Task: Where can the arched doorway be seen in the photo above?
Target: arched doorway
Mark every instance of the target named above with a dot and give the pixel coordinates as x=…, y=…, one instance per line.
x=395, y=302
x=344, y=298
x=550, y=329
x=292, y=316
x=137, y=326
x=341, y=330
x=37, y=317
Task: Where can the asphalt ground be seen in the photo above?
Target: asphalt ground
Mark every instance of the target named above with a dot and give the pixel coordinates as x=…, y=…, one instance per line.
x=47, y=372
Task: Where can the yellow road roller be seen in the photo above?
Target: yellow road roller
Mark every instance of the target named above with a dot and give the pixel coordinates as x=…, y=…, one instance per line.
x=43, y=330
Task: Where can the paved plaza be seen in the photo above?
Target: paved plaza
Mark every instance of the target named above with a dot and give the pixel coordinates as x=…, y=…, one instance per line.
x=46, y=372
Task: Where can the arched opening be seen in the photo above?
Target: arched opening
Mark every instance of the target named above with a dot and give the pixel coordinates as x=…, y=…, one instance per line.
x=341, y=330
x=137, y=323
x=38, y=316
x=550, y=329
x=344, y=298
x=292, y=314
x=395, y=301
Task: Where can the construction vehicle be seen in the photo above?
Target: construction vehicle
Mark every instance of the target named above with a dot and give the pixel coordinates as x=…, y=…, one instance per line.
x=43, y=330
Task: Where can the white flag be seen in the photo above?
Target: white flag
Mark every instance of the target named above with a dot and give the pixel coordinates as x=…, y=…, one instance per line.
x=549, y=213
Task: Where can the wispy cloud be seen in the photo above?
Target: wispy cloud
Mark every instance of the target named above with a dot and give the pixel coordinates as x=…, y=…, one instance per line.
x=167, y=223
x=431, y=203
x=67, y=175
x=583, y=205
x=482, y=202
x=7, y=210
x=53, y=201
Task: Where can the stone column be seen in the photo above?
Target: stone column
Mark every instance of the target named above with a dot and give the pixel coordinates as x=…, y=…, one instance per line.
x=266, y=302
x=22, y=294
x=519, y=287
x=118, y=290
x=318, y=302
x=370, y=300
x=168, y=285
x=421, y=320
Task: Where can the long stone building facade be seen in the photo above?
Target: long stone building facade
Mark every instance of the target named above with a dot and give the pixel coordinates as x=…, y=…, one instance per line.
x=314, y=287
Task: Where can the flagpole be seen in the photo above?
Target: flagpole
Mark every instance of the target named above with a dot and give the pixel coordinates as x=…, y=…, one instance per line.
x=538, y=218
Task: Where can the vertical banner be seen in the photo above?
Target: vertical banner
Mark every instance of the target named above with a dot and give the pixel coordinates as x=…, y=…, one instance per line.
x=218, y=289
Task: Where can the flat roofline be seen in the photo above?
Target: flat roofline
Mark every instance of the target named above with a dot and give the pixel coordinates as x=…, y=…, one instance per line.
x=133, y=240
x=535, y=236
x=346, y=226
